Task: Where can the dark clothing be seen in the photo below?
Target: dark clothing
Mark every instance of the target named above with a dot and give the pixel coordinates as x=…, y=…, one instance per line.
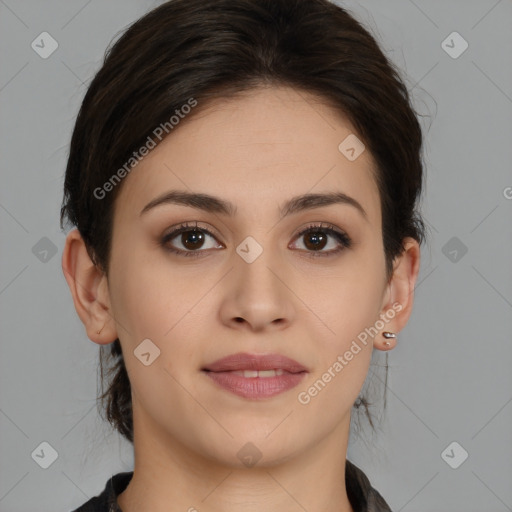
x=362, y=496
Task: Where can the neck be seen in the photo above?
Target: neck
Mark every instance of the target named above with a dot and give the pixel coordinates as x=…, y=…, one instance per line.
x=179, y=479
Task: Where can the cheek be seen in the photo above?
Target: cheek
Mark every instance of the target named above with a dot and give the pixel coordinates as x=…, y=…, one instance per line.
x=148, y=296
x=150, y=301
x=350, y=300
x=348, y=305
x=345, y=346
x=153, y=300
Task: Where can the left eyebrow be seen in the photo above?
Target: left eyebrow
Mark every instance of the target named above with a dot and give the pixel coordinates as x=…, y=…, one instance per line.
x=310, y=201
x=214, y=204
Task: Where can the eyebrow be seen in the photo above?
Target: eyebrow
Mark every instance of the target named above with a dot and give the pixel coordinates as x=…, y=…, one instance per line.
x=214, y=204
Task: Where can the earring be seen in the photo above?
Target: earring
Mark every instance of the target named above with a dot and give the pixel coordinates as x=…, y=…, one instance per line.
x=388, y=335
x=97, y=332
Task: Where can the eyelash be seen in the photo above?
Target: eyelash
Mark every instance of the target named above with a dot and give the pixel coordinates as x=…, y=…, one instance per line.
x=343, y=239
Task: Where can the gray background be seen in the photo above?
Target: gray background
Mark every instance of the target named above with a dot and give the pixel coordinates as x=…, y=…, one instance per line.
x=450, y=377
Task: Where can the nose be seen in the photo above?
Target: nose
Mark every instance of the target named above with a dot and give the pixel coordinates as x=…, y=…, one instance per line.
x=258, y=296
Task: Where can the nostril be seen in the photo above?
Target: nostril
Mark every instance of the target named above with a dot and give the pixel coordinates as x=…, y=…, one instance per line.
x=239, y=319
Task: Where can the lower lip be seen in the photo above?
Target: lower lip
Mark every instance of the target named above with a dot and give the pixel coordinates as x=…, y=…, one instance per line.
x=256, y=387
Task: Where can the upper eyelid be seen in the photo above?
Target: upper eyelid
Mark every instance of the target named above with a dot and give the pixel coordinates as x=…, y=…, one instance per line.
x=320, y=225
x=174, y=231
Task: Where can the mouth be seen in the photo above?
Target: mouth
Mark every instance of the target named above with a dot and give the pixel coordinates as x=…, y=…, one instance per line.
x=254, y=376
x=258, y=373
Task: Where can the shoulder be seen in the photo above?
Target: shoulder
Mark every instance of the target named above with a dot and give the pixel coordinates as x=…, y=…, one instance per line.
x=362, y=496
x=106, y=501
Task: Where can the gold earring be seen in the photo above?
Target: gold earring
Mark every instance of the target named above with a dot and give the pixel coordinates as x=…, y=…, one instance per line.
x=98, y=332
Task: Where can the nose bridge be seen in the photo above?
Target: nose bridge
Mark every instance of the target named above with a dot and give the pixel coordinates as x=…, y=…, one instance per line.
x=255, y=268
x=258, y=294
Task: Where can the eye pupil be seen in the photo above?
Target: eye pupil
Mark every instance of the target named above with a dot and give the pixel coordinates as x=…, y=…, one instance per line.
x=193, y=238
x=318, y=240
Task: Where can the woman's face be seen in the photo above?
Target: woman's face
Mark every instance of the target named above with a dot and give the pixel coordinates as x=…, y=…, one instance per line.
x=255, y=285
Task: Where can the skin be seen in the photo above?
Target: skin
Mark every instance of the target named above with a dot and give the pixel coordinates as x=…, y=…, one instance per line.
x=257, y=151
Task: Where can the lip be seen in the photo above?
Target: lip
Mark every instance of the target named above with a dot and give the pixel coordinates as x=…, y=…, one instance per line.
x=245, y=361
x=222, y=372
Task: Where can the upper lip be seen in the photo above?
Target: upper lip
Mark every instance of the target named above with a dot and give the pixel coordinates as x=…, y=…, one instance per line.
x=244, y=361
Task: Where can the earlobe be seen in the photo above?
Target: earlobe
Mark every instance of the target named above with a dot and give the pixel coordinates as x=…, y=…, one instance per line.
x=89, y=289
x=399, y=295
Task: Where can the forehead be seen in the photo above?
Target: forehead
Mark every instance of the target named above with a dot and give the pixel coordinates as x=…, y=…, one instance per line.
x=256, y=149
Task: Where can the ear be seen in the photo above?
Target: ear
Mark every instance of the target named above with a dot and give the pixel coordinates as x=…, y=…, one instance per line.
x=89, y=288
x=399, y=294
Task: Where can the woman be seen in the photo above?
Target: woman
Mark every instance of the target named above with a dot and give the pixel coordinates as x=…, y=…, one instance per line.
x=243, y=176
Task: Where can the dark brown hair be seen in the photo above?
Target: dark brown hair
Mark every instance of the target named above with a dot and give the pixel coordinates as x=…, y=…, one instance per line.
x=207, y=49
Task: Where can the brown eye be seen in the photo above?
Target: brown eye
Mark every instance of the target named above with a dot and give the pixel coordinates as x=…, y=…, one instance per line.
x=192, y=239
x=316, y=238
x=189, y=241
